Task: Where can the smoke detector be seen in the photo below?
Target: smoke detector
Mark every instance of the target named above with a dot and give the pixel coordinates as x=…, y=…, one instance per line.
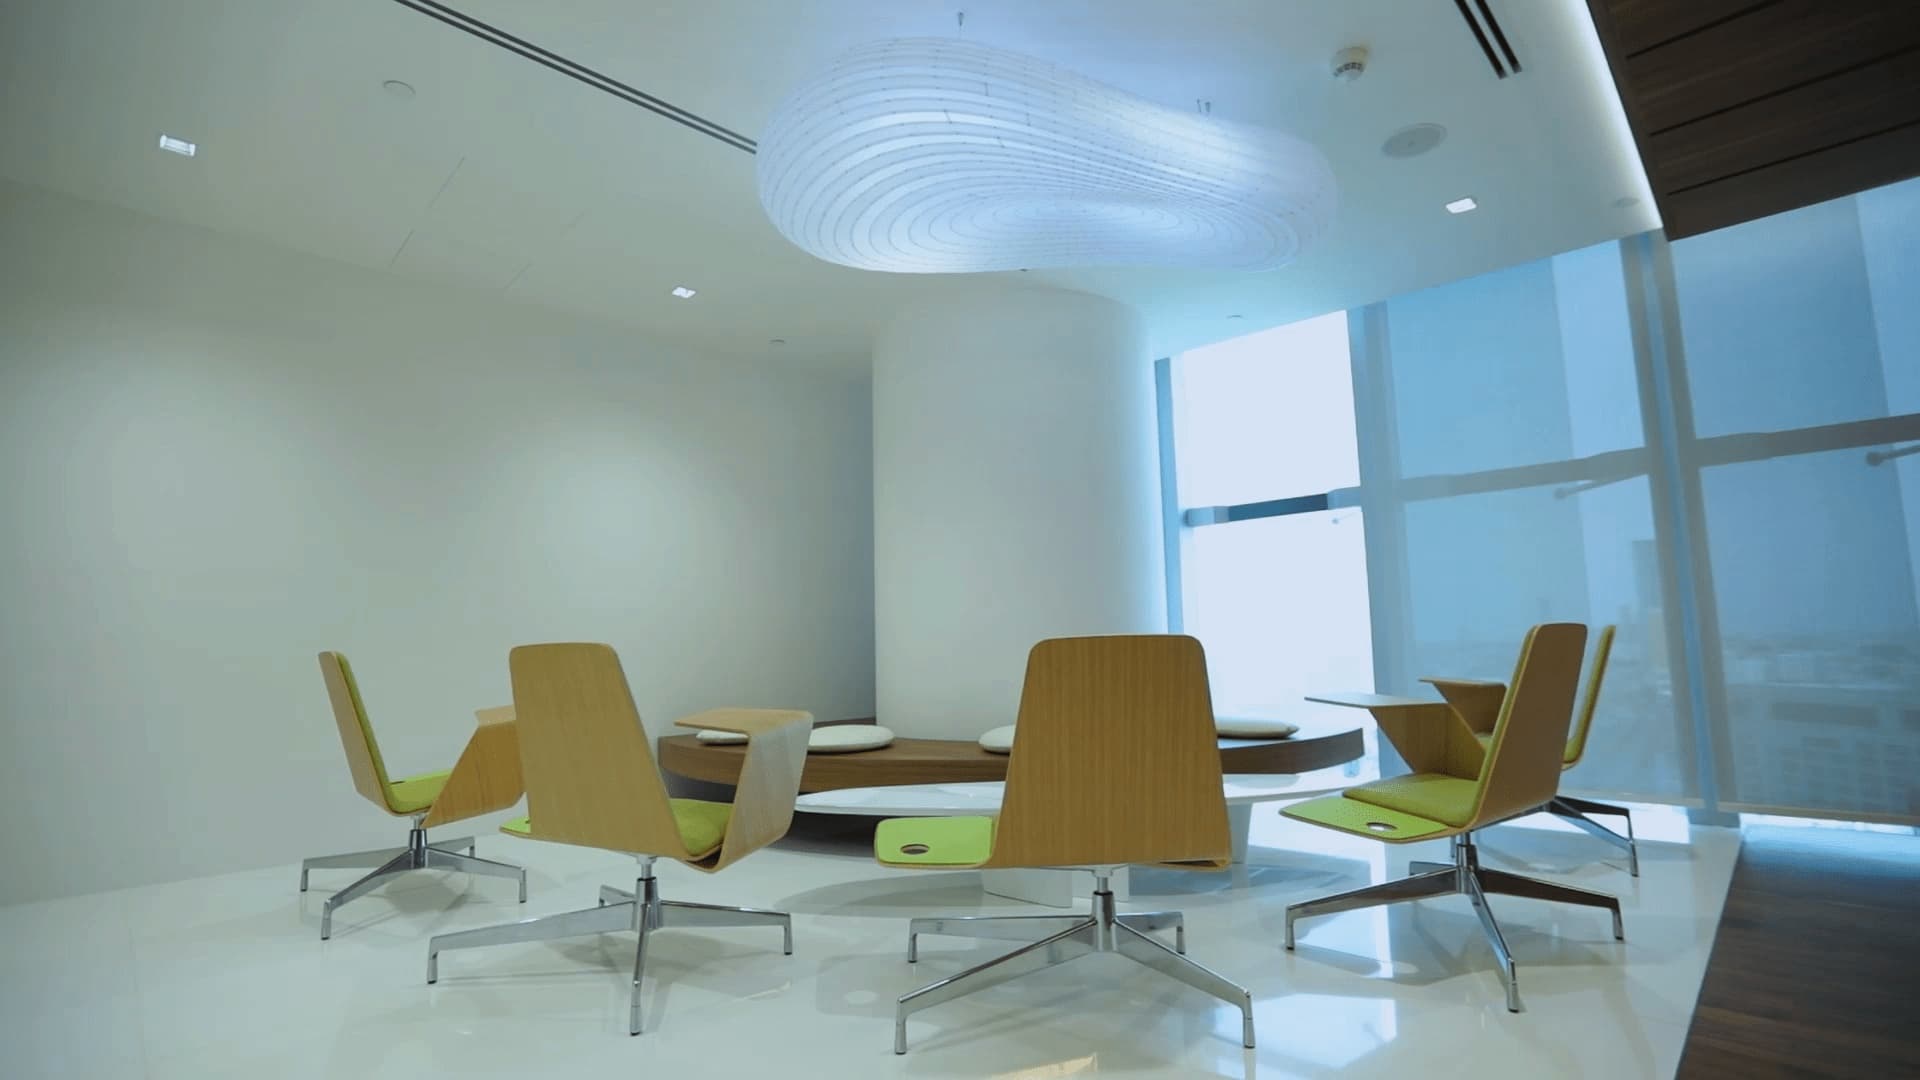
x=1350, y=64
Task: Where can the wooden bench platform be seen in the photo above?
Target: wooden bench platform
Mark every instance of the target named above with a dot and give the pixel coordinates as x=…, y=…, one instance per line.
x=1319, y=743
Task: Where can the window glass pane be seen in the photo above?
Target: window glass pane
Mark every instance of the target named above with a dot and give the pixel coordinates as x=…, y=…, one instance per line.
x=1266, y=416
x=1805, y=318
x=1890, y=239
x=1483, y=568
x=1814, y=565
x=1281, y=606
x=1518, y=367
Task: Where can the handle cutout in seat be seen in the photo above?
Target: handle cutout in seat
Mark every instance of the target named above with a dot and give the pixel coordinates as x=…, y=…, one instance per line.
x=1381, y=826
x=914, y=849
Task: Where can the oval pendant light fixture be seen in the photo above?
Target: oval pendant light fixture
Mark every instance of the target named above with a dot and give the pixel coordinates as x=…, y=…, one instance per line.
x=931, y=155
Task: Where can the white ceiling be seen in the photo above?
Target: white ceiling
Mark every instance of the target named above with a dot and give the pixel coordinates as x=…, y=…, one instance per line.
x=504, y=176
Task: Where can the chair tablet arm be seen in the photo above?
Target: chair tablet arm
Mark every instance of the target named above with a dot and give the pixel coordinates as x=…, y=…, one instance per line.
x=748, y=722
x=487, y=776
x=1471, y=684
x=1477, y=701
x=1362, y=700
x=769, y=780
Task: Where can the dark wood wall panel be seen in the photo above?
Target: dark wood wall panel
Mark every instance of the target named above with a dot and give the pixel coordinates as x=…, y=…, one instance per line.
x=1644, y=24
x=1803, y=181
x=1851, y=105
x=1783, y=44
x=1744, y=108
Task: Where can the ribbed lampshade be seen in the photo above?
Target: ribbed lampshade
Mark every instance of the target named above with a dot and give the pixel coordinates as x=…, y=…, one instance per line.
x=928, y=155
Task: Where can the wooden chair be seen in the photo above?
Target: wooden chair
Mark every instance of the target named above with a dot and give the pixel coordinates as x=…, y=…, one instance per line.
x=591, y=780
x=1460, y=785
x=485, y=779
x=1478, y=704
x=1114, y=762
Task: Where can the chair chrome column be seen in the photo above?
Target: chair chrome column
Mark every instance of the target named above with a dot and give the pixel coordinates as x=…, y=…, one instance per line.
x=1062, y=938
x=1464, y=876
x=640, y=911
x=419, y=854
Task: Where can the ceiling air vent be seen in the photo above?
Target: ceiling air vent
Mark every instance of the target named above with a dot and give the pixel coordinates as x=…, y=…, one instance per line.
x=1493, y=40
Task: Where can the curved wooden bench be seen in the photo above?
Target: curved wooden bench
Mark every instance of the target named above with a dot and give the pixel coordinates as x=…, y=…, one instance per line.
x=1319, y=744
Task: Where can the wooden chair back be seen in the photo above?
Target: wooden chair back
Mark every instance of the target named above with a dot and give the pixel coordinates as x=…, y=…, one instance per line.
x=1583, y=720
x=589, y=772
x=1114, y=758
x=356, y=731
x=1522, y=768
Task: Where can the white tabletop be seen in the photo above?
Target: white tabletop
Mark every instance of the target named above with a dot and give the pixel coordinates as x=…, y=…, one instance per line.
x=947, y=800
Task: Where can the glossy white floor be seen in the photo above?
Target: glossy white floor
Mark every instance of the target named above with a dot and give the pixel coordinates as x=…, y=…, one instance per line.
x=225, y=976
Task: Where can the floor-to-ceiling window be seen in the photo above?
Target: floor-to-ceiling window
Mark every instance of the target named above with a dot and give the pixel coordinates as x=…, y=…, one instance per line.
x=1517, y=465
x=1273, y=570
x=1714, y=445
x=1800, y=337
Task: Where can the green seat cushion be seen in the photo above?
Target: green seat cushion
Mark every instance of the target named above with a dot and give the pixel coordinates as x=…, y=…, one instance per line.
x=416, y=793
x=934, y=841
x=702, y=825
x=1366, y=819
x=1434, y=796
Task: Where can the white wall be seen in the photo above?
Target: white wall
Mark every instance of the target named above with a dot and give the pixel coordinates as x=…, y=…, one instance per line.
x=217, y=459
x=1016, y=497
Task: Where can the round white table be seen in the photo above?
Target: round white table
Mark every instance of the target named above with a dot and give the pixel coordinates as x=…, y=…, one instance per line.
x=1055, y=888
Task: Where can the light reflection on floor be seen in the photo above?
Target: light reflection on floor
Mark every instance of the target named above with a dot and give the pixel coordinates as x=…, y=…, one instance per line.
x=225, y=976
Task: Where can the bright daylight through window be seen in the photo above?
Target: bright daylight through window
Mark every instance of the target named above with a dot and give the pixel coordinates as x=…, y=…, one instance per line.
x=1713, y=445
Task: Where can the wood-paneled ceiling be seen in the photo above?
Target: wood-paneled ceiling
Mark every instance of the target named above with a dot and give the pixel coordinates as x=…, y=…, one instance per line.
x=1744, y=108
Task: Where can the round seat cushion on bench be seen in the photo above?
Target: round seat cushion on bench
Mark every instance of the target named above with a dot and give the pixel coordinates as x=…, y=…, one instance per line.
x=1252, y=727
x=998, y=741
x=832, y=739
x=847, y=738
x=720, y=738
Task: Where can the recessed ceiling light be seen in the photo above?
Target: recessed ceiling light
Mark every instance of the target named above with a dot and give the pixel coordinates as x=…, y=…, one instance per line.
x=1625, y=201
x=1461, y=206
x=683, y=292
x=178, y=146
x=777, y=341
x=1236, y=316
x=398, y=89
x=1413, y=140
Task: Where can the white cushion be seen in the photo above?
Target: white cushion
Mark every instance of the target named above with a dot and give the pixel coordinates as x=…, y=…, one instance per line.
x=998, y=741
x=1252, y=727
x=846, y=738
x=724, y=738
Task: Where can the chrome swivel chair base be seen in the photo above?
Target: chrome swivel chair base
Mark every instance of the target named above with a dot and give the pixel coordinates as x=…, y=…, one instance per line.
x=419, y=854
x=641, y=911
x=1462, y=877
x=1580, y=812
x=1067, y=937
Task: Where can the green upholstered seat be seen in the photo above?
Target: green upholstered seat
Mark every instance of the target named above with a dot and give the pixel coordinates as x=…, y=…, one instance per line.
x=1434, y=796
x=1396, y=810
x=934, y=841
x=1366, y=819
x=415, y=794
x=702, y=825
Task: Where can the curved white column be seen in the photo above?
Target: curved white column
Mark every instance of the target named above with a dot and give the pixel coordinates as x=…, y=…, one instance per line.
x=1016, y=497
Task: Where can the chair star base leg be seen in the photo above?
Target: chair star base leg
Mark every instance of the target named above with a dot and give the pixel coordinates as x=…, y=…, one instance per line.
x=419, y=854
x=641, y=912
x=1581, y=812
x=1065, y=937
x=1465, y=877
